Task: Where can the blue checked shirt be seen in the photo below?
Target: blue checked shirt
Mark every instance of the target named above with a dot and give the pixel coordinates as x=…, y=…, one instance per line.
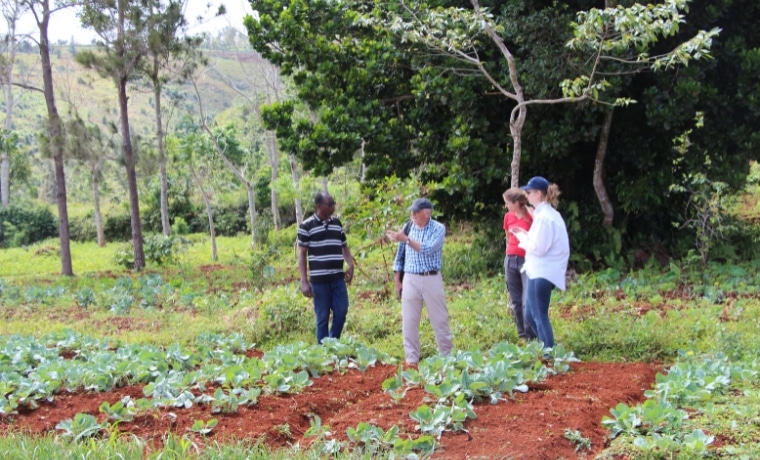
x=430, y=257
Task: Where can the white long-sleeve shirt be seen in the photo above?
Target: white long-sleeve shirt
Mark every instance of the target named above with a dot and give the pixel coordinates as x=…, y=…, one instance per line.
x=547, y=247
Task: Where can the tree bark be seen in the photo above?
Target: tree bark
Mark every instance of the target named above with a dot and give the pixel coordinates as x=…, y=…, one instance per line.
x=55, y=133
x=129, y=164
x=601, y=153
x=297, y=184
x=126, y=140
x=11, y=15
x=95, y=184
x=5, y=161
x=274, y=161
x=251, y=211
x=209, y=214
x=164, y=198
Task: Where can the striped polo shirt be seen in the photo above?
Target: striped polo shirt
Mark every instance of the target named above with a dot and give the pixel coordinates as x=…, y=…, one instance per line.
x=325, y=241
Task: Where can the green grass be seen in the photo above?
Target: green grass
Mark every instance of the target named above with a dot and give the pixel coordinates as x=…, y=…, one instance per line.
x=650, y=315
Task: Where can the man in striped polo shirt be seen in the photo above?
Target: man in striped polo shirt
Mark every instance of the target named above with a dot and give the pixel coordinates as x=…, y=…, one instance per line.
x=321, y=236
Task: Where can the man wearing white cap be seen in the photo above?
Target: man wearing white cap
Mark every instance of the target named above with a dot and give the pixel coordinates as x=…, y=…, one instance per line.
x=419, y=257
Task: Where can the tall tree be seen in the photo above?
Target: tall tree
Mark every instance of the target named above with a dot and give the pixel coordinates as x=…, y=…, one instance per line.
x=195, y=152
x=171, y=55
x=11, y=11
x=87, y=143
x=263, y=86
x=121, y=26
x=221, y=142
x=42, y=12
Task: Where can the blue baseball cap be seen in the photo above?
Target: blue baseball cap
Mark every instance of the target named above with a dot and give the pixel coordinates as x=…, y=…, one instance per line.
x=420, y=204
x=537, y=183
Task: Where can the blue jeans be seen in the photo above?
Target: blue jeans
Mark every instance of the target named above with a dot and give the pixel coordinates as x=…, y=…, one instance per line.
x=539, y=293
x=330, y=296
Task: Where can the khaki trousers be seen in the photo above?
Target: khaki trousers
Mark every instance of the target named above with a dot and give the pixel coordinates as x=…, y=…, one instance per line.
x=416, y=290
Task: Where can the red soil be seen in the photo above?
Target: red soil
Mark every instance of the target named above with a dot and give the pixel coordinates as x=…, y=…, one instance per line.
x=525, y=426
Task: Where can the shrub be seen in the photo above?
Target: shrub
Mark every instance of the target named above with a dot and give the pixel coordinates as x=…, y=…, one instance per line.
x=22, y=226
x=180, y=227
x=82, y=228
x=124, y=256
x=161, y=249
x=118, y=228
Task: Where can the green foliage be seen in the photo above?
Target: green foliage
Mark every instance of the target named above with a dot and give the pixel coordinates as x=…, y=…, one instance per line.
x=466, y=258
x=707, y=211
x=577, y=438
x=163, y=250
x=85, y=297
x=121, y=411
x=261, y=268
x=118, y=227
x=20, y=226
x=124, y=256
x=284, y=310
x=81, y=427
x=159, y=250
x=181, y=206
x=180, y=227
x=82, y=228
x=204, y=427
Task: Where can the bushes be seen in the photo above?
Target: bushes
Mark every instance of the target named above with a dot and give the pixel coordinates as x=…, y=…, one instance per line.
x=22, y=226
x=159, y=249
x=82, y=228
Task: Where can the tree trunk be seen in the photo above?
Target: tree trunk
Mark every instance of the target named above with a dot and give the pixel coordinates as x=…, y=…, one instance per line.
x=274, y=161
x=251, y=211
x=297, y=184
x=95, y=181
x=209, y=213
x=601, y=153
x=129, y=164
x=5, y=161
x=126, y=140
x=5, y=158
x=164, y=198
x=515, y=127
x=55, y=134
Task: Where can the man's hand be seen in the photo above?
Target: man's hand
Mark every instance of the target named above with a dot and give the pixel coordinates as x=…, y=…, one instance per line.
x=349, y=274
x=306, y=289
x=398, y=237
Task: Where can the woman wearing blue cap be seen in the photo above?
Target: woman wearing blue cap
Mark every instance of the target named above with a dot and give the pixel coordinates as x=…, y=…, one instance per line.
x=547, y=250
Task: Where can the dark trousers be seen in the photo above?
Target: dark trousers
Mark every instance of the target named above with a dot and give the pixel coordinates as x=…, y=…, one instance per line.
x=516, y=283
x=330, y=296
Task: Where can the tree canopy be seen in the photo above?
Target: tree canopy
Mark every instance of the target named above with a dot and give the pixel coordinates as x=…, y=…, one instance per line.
x=407, y=108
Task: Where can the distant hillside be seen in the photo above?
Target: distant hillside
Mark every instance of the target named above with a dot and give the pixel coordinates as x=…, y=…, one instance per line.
x=95, y=97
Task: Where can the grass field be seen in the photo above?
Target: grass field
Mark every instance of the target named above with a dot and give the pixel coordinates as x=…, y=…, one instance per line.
x=701, y=324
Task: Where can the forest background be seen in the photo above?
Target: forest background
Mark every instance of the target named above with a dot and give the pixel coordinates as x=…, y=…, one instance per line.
x=353, y=104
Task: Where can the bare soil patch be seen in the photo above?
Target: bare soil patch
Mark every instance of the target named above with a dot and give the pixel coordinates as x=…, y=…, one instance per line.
x=526, y=426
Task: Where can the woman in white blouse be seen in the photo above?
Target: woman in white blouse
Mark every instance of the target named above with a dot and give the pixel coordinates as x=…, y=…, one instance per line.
x=547, y=250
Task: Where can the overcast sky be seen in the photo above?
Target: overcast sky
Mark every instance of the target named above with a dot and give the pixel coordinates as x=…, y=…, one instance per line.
x=64, y=24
